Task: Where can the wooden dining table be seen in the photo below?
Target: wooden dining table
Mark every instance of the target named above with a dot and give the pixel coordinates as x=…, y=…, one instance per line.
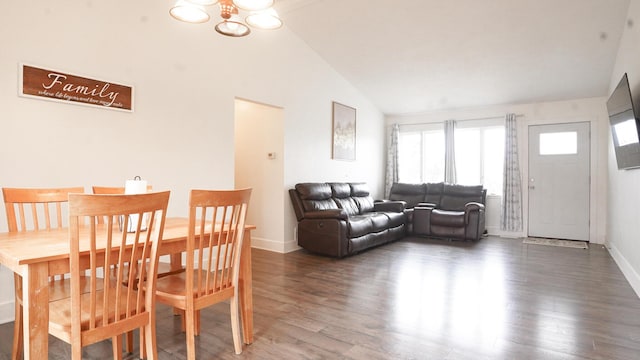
x=36, y=255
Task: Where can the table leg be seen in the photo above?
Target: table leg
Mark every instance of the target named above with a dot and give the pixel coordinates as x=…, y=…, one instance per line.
x=35, y=300
x=245, y=289
x=176, y=261
x=176, y=264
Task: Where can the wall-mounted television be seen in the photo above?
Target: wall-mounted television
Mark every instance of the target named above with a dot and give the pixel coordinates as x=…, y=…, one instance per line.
x=624, y=126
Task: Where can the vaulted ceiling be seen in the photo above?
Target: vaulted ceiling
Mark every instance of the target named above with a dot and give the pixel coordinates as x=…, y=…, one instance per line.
x=411, y=56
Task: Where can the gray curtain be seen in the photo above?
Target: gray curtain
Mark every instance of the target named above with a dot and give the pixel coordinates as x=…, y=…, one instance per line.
x=449, y=152
x=392, y=160
x=511, y=217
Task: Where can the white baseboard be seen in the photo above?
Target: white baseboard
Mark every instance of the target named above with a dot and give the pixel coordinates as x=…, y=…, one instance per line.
x=7, y=312
x=496, y=231
x=272, y=245
x=627, y=270
x=290, y=246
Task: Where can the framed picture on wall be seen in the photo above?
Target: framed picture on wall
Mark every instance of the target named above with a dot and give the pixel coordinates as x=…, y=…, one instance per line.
x=344, y=132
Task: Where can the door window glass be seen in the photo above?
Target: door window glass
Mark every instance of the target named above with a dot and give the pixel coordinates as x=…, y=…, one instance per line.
x=559, y=143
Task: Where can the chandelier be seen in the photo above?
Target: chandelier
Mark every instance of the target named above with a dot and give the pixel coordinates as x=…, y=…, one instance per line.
x=260, y=15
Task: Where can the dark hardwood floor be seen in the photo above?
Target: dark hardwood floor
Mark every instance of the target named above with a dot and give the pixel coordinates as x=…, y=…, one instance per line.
x=420, y=299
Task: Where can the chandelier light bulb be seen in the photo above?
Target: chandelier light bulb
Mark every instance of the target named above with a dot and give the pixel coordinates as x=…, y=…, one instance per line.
x=189, y=12
x=266, y=20
x=233, y=27
x=253, y=5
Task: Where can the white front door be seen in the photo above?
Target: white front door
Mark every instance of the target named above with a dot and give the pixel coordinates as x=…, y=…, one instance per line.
x=559, y=181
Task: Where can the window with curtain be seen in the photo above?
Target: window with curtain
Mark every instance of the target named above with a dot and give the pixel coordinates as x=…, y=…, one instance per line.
x=479, y=149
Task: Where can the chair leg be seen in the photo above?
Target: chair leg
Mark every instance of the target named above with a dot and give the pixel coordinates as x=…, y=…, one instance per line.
x=143, y=344
x=191, y=341
x=197, y=322
x=151, y=349
x=183, y=321
x=128, y=343
x=116, y=343
x=235, y=325
x=76, y=351
x=18, y=341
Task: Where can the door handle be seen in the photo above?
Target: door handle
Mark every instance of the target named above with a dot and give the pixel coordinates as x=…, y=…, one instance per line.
x=531, y=187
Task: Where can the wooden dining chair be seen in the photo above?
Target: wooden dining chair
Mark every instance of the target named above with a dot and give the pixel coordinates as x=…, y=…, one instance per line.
x=110, y=309
x=163, y=268
x=213, y=262
x=34, y=209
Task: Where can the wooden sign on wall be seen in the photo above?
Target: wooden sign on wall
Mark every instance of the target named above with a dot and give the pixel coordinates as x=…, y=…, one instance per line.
x=59, y=86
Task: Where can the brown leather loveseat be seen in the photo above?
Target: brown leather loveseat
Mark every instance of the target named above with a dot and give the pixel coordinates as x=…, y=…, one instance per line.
x=339, y=219
x=443, y=210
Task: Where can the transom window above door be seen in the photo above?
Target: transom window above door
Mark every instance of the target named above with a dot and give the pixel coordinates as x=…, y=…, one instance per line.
x=559, y=143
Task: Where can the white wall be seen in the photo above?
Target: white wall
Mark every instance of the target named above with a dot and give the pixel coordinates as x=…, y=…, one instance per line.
x=590, y=110
x=185, y=78
x=623, y=229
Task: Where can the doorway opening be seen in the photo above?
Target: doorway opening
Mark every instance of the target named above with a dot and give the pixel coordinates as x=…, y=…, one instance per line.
x=259, y=164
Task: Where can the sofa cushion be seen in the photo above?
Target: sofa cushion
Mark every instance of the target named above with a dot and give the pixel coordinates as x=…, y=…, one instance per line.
x=455, y=197
x=365, y=203
x=395, y=218
x=379, y=221
x=341, y=193
x=360, y=194
x=373, y=222
x=349, y=205
x=447, y=218
x=359, y=189
x=434, y=193
x=314, y=191
x=412, y=194
x=340, y=190
x=359, y=225
x=316, y=196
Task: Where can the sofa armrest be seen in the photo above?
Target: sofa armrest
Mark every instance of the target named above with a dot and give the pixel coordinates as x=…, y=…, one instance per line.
x=474, y=220
x=390, y=206
x=473, y=206
x=326, y=214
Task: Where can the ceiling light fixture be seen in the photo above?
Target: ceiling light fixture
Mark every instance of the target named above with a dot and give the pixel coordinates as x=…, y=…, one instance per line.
x=261, y=15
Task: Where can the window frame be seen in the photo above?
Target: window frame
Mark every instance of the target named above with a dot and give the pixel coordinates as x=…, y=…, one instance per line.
x=482, y=125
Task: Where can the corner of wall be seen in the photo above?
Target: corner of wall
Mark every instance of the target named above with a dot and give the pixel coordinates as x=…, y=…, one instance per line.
x=629, y=272
x=274, y=246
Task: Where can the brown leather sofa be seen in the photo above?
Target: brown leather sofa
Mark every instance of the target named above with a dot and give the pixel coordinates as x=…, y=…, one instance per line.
x=340, y=219
x=443, y=210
